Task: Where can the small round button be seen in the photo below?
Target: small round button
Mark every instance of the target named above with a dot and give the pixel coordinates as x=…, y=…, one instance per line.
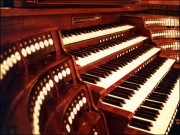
x=24, y=53
x=75, y=110
x=68, y=71
x=84, y=100
x=48, y=87
x=41, y=44
x=56, y=78
x=13, y=59
x=51, y=83
x=46, y=43
x=44, y=91
x=60, y=75
x=37, y=105
x=42, y=95
x=77, y=107
x=9, y=62
x=50, y=41
x=72, y=115
x=17, y=55
x=28, y=50
x=64, y=73
x=39, y=100
x=33, y=49
x=37, y=46
x=68, y=128
x=80, y=103
x=70, y=120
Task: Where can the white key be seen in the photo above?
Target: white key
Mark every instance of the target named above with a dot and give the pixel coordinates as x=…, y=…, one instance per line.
x=81, y=37
x=166, y=114
x=103, y=53
x=115, y=76
x=168, y=110
x=139, y=96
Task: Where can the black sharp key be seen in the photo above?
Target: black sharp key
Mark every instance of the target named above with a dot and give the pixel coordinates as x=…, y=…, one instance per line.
x=117, y=61
x=84, y=51
x=128, y=85
x=130, y=91
x=162, y=91
x=119, y=64
x=89, y=79
x=150, y=114
x=135, y=84
x=127, y=88
x=135, y=81
x=127, y=60
x=167, y=81
x=142, y=115
x=101, y=71
x=103, y=46
x=163, y=88
x=107, y=67
x=77, y=54
x=112, y=101
x=147, y=70
x=153, y=104
x=116, y=99
x=93, y=50
x=164, y=96
x=157, y=97
x=118, y=94
x=141, y=124
x=114, y=68
x=90, y=76
x=141, y=79
x=140, y=75
x=146, y=75
x=76, y=58
x=149, y=110
x=123, y=90
x=97, y=74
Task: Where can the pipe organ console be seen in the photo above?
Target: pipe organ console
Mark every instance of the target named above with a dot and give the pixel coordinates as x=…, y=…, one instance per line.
x=166, y=34
x=45, y=90
x=157, y=108
x=164, y=31
x=88, y=70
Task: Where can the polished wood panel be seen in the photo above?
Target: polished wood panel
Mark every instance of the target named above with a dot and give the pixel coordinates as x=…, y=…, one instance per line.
x=18, y=99
x=26, y=20
x=33, y=99
x=71, y=3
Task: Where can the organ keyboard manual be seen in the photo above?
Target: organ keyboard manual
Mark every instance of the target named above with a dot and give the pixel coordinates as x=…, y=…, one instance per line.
x=90, y=67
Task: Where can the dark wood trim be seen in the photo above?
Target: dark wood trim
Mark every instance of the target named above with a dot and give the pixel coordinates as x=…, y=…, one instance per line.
x=7, y=12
